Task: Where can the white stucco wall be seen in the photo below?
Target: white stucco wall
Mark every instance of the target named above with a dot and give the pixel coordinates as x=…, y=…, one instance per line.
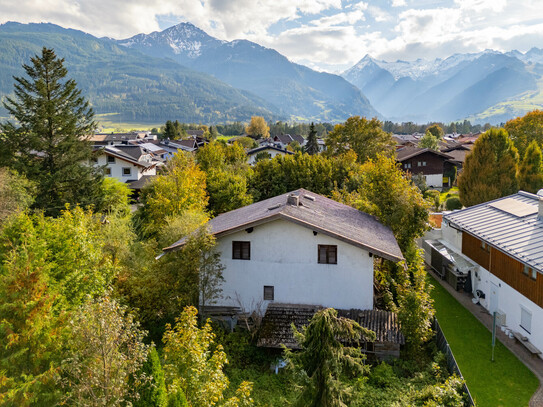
x=509, y=301
x=284, y=255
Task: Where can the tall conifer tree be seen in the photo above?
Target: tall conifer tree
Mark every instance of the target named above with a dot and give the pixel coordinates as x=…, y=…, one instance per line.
x=312, y=146
x=48, y=141
x=490, y=169
x=530, y=172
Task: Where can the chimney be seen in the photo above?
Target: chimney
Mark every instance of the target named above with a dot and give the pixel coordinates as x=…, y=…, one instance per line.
x=293, y=199
x=540, y=211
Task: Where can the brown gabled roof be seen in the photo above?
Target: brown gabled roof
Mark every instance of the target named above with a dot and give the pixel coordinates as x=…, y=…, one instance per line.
x=315, y=212
x=276, y=328
x=410, y=152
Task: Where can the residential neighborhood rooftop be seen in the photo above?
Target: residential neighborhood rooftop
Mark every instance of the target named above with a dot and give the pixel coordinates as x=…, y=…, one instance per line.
x=511, y=224
x=409, y=152
x=277, y=323
x=321, y=214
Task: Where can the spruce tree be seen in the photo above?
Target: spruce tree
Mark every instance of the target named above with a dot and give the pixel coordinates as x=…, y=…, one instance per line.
x=490, y=169
x=323, y=360
x=530, y=172
x=312, y=146
x=48, y=140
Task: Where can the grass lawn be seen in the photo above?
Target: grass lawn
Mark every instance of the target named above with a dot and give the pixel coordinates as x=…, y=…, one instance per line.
x=504, y=382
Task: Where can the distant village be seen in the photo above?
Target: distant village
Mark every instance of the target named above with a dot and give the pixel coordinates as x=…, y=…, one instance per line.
x=134, y=157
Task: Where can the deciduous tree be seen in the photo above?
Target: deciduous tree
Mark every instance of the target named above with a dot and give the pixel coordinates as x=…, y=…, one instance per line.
x=523, y=130
x=258, y=128
x=365, y=137
x=180, y=187
x=195, y=365
x=436, y=131
x=530, y=172
x=16, y=193
x=383, y=191
x=30, y=326
x=104, y=355
x=48, y=144
x=226, y=171
x=490, y=170
x=429, y=141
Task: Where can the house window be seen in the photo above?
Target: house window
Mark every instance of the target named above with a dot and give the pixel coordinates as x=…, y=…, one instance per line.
x=110, y=159
x=525, y=319
x=419, y=164
x=268, y=292
x=424, y=163
x=107, y=171
x=485, y=246
x=327, y=254
x=241, y=250
x=530, y=272
x=407, y=166
x=127, y=171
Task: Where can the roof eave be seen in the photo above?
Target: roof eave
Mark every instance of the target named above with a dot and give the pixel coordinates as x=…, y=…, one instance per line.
x=373, y=250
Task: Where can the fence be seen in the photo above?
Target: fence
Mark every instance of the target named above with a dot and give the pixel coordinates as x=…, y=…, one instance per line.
x=444, y=347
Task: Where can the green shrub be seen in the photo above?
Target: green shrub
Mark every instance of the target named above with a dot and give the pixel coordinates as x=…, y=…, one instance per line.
x=153, y=392
x=177, y=399
x=382, y=375
x=453, y=203
x=432, y=196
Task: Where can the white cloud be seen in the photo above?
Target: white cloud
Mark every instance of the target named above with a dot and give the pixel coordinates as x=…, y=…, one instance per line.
x=322, y=33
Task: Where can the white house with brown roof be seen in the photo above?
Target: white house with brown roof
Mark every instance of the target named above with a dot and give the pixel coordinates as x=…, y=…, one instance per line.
x=126, y=162
x=299, y=248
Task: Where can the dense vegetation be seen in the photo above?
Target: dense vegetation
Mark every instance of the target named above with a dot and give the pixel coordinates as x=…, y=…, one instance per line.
x=90, y=315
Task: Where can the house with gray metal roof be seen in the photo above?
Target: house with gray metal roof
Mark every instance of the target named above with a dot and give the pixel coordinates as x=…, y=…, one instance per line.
x=503, y=241
x=299, y=248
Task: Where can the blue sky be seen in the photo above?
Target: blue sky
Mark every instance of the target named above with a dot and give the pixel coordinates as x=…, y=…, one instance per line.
x=327, y=35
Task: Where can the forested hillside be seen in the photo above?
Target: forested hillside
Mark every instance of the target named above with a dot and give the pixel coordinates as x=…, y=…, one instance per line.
x=120, y=80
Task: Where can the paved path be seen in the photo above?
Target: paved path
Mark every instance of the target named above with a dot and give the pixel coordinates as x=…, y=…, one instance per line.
x=535, y=364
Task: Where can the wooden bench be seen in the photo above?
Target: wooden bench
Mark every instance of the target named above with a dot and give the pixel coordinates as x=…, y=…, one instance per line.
x=526, y=343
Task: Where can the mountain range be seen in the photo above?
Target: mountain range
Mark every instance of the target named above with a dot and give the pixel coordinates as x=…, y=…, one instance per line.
x=182, y=73
x=489, y=86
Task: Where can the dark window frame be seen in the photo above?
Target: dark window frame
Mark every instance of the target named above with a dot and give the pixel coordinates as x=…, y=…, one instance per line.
x=110, y=159
x=269, y=293
x=241, y=250
x=129, y=172
x=330, y=254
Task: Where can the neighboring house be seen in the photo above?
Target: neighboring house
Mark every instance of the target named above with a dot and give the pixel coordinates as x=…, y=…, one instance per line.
x=322, y=145
x=434, y=165
x=299, y=248
x=195, y=133
x=284, y=140
x=126, y=162
x=253, y=154
x=458, y=153
x=104, y=139
x=497, y=247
